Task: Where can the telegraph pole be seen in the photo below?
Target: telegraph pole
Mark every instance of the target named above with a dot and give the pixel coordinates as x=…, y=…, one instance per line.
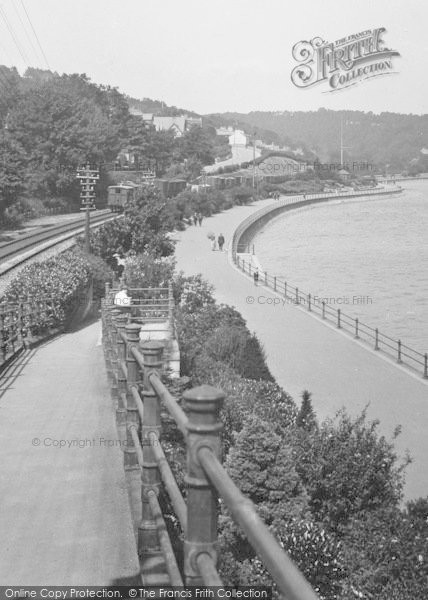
x=88, y=176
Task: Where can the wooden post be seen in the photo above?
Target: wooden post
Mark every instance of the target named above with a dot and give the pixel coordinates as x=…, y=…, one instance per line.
x=323, y=309
x=376, y=347
x=297, y=295
x=309, y=302
x=132, y=420
x=338, y=319
x=426, y=365
x=274, y=283
x=285, y=289
x=356, y=329
x=148, y=542
x=203, y=406
x=265, y=277
x=399, y=352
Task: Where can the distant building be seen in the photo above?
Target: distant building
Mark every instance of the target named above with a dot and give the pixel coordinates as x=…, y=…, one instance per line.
x=344, y=175
x=225, y=131
x=178, y=125
x=238, y=138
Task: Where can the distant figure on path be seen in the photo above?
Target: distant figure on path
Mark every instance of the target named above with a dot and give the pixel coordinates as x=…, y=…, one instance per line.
x=200, y=217
x=220, y=242
x=195, y=219
x=256, y=277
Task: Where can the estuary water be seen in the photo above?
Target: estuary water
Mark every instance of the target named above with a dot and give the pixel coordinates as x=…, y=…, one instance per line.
x=366, y=256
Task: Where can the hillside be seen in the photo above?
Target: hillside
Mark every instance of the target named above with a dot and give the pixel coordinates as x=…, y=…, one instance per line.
x=385, y=139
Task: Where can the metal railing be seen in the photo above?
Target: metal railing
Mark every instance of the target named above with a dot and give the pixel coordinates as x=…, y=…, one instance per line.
x=148, y=305
x=403, y=353
x=134, y=371
x=360, y=331
x=20, y=322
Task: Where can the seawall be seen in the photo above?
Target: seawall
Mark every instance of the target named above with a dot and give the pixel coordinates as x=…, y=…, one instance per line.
x=246, y=230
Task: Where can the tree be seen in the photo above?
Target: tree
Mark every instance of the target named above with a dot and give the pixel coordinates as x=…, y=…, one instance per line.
x=348, y=469
x=196, y=143
x=12, y=163
x=306, y=417
x=143, y=229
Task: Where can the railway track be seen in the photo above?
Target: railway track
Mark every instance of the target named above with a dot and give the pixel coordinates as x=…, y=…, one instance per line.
x=14, y=252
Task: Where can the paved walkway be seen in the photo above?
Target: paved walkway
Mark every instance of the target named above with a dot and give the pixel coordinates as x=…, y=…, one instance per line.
x=65, y=517
x=305, y=353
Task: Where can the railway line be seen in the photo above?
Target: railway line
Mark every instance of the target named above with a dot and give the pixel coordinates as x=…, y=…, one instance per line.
x=17, y=251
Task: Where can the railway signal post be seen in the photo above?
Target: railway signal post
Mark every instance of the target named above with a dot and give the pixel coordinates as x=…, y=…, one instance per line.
x=88, y=176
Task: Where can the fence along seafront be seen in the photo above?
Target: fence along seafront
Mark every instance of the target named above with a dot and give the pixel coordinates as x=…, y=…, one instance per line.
x=378, y=340
x=134, y=371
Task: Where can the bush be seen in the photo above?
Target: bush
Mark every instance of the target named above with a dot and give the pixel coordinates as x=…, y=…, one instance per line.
x=63, y=279
x=143, y=270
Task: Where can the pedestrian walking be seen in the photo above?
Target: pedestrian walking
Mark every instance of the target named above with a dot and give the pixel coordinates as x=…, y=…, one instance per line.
x=256, y=276
x=195, y=219
x=220, y=242
x=200, y=217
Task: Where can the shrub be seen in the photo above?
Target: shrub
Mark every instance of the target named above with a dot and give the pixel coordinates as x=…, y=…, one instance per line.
x=62, y=279
x=143, y=270
x=348, y=468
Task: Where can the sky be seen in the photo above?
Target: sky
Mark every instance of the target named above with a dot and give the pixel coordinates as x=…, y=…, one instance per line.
x=218, y=55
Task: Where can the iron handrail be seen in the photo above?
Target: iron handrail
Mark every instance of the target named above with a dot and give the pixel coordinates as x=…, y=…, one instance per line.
x=284, y=572
x=206, y=478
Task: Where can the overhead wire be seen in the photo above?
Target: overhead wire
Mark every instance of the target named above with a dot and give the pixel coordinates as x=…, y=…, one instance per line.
x=35, y=35
x=14, y=38
x=36, y=54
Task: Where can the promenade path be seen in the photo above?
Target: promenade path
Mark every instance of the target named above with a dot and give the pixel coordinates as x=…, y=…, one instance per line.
x=65, y=517
x=304, y=352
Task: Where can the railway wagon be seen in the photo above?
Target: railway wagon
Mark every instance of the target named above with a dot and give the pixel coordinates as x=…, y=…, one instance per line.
x=119, y=195
x=171, y=187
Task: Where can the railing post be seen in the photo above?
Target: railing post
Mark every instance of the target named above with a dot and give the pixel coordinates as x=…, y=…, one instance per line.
x=338, y=319
x=265, y=277
x=297, y=295
x=119, y=356
x=203, y=406
x=148, y=542
x=356, y=329
x=426, y=366
x=376, y=347
x=399, y=351
x=3, y=332
x=171, y=306
x=132, y=339
x=274, y=283
x=253, y=250
x=285, y=288
x=323, y=309
x=309, y=302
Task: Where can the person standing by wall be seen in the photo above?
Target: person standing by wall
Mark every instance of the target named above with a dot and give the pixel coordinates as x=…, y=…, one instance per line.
x=220, y=242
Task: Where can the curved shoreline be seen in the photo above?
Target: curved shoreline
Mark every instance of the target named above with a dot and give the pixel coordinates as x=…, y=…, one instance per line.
x=369, y=337
x=246, y=230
